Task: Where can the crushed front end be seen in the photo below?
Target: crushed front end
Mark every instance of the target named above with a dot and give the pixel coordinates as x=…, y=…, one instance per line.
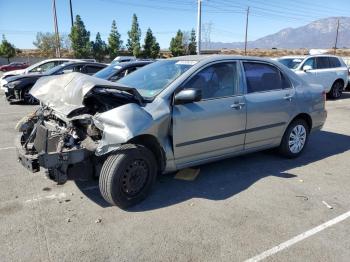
x=58, y=145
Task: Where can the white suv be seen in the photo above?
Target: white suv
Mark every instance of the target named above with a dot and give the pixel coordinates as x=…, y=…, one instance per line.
x=329, y=71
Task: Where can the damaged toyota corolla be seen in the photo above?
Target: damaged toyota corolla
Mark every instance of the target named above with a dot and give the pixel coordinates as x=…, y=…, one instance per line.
x=166, y=116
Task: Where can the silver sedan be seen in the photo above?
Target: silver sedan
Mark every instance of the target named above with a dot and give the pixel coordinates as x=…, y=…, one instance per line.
x=166, y=116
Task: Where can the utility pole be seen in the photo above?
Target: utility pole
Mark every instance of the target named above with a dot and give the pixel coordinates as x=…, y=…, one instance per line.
x=58, y=51
x=336, y=38
x=199, y=26
x=71, y=12
x=246, y=32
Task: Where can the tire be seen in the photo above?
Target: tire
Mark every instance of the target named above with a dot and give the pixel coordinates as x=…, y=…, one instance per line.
x=292, y=150
x=336, y=90
x=119, y=172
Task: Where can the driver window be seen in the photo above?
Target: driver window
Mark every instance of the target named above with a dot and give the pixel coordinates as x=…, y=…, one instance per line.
x=43, y=67
x=216, y=81
x=310, y=62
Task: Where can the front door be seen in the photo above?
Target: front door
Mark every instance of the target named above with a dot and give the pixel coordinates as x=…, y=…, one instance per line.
x=309, y=75
x=215, y=125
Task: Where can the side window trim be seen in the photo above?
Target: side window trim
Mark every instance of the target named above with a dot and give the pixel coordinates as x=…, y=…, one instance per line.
x=239, y=74
x=282, y=74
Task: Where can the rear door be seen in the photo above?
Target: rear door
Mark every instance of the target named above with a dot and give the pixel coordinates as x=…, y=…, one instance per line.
x=270, y=102
x=326, y=75
x=215, y=125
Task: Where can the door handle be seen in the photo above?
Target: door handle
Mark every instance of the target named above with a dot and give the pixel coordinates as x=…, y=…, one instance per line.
x=288, y=97
x=237, y=105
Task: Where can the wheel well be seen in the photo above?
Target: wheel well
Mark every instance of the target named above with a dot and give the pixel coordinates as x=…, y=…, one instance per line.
x=306, y=118
x=152, y=144
x=340, y=80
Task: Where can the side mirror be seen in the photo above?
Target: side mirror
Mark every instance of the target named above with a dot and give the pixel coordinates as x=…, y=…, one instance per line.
x=188, y=96
x=307, y=68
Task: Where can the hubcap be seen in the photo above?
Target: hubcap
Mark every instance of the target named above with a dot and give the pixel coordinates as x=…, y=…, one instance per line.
x=135, y=177
x=297, y=139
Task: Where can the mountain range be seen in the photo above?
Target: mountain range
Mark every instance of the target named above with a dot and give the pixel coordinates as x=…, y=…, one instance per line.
x=317, y=34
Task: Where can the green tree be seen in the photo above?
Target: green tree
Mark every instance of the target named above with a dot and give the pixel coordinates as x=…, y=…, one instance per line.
x=134, y=34
x=151, y=47
x=99, y=48
x=192, y=46
x=80, y=39
x=177, y=47
x=7, y=49
x=114, y=41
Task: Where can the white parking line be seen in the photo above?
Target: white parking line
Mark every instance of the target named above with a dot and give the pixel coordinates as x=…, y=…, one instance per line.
x=53, y=196
x=299, y=238
x=7, y=148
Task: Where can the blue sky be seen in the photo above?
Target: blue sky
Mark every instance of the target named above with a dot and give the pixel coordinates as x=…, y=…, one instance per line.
x=21, y=19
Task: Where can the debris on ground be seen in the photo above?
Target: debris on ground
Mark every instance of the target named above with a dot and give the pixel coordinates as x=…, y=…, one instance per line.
x=46, y=189
x=301, y=181
x=188, y=174
x=99, y=220
x=305, y=198
x=191, y=204
x=327, y=205
x=68, y=220
x=67, y=200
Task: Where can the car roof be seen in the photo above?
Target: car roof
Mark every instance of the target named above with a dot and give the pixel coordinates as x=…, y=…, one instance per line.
x=213, y=58
x=133, y=63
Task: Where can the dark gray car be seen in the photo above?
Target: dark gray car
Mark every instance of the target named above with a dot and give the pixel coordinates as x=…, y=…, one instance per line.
x=166, y=116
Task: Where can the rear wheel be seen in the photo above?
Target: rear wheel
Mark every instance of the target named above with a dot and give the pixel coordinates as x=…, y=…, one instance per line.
x=127, y=176
x=294, y=139
x=336, y=90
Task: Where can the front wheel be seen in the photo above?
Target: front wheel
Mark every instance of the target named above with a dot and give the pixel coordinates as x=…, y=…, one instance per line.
x=127, y=176
x=294, y=139
x=336, y=90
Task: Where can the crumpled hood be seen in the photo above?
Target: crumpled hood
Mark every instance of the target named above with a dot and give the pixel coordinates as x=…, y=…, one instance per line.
x=65, y=93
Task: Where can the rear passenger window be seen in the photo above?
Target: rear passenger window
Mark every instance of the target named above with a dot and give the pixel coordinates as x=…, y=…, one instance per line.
x=334, y=62
x=262, y=77
x=322, y=62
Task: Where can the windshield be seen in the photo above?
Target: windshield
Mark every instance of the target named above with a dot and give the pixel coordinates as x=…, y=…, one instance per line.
x=150, y=80
x=291, y=63
x=108, y=71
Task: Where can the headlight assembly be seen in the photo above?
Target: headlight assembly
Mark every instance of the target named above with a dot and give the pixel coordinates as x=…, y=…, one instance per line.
x=13, y=84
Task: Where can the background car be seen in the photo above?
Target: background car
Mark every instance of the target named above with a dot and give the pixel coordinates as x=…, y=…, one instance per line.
x=120, y=59
x=17, y=87
x=329, y=71
x=40, y=67
x=13, y=66
x=116, y=71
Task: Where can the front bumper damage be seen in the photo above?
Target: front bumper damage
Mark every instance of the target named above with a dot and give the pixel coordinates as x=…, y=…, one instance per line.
x=43, y=152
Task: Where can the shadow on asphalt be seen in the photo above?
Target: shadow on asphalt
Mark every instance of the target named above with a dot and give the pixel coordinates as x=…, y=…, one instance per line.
x=224, y=179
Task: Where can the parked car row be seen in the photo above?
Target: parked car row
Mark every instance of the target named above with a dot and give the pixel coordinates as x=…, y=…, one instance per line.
x=13, y=66
x=329, y=71
x=165, y=116
x=17, y=88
